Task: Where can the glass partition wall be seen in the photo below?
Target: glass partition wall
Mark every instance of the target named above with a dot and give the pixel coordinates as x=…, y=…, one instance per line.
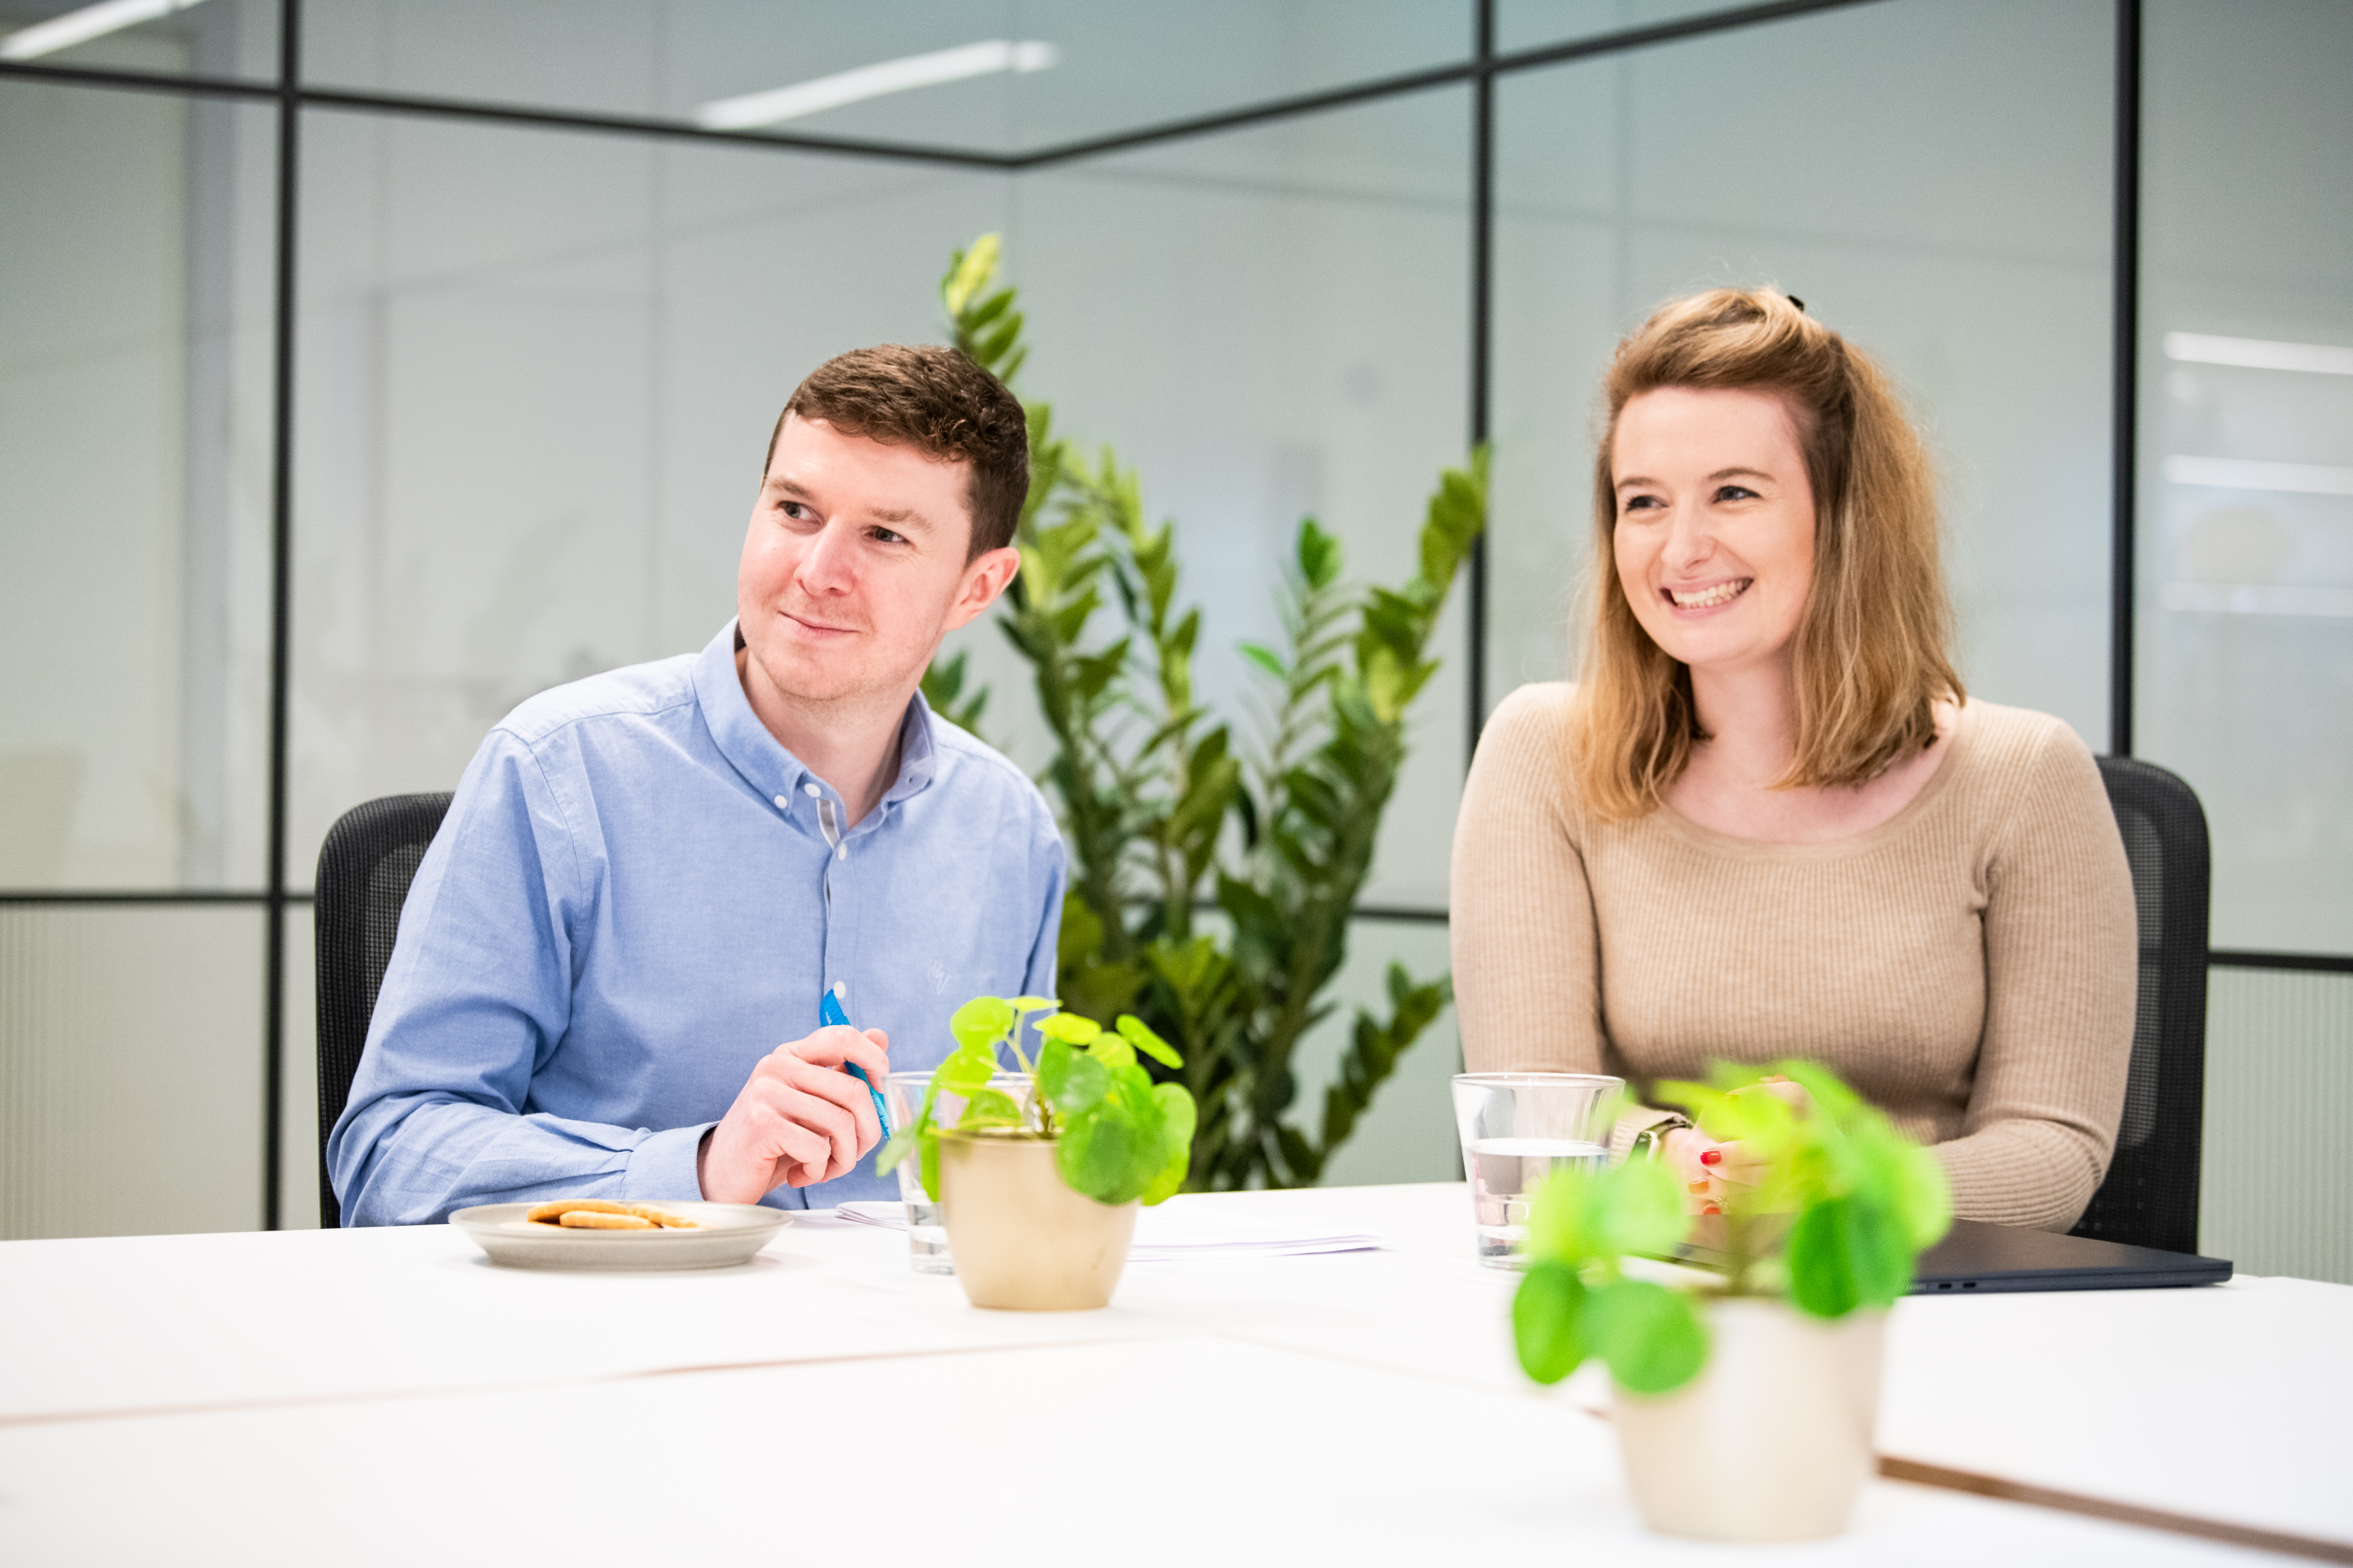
x=370, y=364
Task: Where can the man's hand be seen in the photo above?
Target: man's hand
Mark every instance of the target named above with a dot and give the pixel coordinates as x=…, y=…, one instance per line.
x=799, y=1119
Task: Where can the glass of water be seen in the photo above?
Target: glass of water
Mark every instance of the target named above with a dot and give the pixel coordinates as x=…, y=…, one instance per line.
x=928, y=1238
x=1517, y=1129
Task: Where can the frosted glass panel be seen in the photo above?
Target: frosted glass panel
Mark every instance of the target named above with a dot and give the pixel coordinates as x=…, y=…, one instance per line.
x=1934, y=182
x=1532, y=23
x=538, y=374
x=1092, y=69
x=135, y=488
x=2246, y=446
x=1270, y=324
x=130, y=1070
x=2279, y=1075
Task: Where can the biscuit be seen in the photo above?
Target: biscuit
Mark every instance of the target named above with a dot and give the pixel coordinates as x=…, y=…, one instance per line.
x=664, y=1217
x=548, y=1213
x=589, y=1219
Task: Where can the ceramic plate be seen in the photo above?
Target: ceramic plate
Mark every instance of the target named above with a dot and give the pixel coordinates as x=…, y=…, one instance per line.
x=729, y=1233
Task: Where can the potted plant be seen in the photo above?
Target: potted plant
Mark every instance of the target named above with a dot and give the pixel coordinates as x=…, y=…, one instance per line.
x=1039, y=1196
x=1745, y=1408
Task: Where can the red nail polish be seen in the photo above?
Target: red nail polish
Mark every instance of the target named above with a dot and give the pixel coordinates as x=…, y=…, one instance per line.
x=1711, y=1208
x=1711, y=1156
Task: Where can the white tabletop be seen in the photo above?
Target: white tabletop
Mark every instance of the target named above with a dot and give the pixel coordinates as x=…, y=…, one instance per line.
x=387, y=1395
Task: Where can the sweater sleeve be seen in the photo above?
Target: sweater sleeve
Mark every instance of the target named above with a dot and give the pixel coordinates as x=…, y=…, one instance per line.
x=2061, y=951
x=1521, y=912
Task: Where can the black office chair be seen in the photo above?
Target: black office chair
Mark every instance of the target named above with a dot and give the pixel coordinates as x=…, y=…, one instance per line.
x=364, y=868
x=2150, y=1197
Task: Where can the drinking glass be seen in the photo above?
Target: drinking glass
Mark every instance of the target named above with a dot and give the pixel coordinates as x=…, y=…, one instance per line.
x=1518, y=1128
x=928, y=1238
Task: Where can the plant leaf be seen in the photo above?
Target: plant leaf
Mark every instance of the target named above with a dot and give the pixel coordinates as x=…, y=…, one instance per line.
x=1640, y=1210
x=981, y=1021
x=1545, y=1327
x=1070, y=1027
x=1178, y=1117
x=1265, y=657
x=1138, y=1033
x=1650, y=1336
x=1557, y=1211
x=1845, y=1253
x=989, y=1108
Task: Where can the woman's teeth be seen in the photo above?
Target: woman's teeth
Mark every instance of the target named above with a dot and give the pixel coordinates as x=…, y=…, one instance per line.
x=1707, y=596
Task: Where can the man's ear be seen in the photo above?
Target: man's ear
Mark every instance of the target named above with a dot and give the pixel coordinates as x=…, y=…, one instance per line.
x=987, y=575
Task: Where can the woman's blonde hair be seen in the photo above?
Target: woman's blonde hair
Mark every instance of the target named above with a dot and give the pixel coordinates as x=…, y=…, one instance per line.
x=1871, y=644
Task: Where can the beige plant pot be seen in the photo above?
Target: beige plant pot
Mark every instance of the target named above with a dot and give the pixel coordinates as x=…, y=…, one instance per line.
x=1772, y=1440
x=1021, y=1238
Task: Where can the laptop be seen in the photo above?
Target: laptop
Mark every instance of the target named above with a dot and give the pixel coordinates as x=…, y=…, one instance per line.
x=1975, y=1256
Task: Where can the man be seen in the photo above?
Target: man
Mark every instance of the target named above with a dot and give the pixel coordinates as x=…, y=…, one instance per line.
x=650, y=877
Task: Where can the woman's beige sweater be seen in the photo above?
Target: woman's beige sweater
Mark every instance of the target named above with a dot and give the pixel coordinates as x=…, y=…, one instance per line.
x=1970, y=966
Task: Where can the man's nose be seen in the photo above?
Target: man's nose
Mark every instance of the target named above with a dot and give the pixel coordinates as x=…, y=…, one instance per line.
x=825, y=565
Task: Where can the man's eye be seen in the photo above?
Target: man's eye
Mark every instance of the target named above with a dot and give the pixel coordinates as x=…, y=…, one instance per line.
x=793, y=509
x=884, y=536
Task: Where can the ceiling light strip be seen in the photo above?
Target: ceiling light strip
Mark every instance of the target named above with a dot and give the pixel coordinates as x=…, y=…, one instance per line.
x=934, y=70
x=2242, y=474
x=2259, y=354
x=81, y=26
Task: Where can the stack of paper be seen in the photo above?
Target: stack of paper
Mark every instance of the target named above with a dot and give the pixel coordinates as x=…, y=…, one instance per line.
x=1168, y=1231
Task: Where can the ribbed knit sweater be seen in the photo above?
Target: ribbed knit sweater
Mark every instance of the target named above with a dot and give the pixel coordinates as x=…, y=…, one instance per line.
x=1970, y=966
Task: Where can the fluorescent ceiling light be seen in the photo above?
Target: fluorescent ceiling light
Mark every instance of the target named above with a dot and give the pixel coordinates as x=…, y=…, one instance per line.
x=873, y=81
x=2258, y=599
x=2259, y=354
x=2237, y=474
x=81, y=26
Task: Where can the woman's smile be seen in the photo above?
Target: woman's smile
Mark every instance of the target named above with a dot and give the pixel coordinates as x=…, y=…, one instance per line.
x=1714, y=596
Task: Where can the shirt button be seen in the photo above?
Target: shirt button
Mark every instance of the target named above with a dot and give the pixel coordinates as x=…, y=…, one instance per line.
x=842, y=853
x=810, y=789
x=783, y=802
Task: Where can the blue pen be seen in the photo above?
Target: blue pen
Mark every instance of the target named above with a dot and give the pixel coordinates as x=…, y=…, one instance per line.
x=828, y=1011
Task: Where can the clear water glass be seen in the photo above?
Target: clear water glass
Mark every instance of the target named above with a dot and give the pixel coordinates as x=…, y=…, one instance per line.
x=1518, y=1128
x=928, y=1238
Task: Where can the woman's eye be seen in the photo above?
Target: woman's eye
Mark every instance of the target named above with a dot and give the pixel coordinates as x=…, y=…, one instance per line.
x=1640, y=503
x=1736, y=493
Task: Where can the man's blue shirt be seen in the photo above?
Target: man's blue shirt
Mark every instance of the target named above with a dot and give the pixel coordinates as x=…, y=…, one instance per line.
x=636, y=895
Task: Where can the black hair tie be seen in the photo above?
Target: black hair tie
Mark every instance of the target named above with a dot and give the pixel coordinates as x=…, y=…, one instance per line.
x=1797, y=302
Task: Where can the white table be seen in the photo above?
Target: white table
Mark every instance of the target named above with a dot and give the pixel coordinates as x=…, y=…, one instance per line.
x=389, y=1397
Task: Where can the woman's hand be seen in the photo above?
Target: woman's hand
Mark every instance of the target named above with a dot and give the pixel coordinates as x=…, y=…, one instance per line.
x=1708, y=1169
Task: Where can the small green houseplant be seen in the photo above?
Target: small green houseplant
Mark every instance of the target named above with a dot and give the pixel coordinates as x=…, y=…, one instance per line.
x=1812, y=1257
x=1040, y=1194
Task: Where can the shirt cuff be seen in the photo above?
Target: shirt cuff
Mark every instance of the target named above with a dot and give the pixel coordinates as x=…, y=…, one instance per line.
x=663, y=1166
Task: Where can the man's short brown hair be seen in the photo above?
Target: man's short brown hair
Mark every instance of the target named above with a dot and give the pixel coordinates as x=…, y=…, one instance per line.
x=938, y=402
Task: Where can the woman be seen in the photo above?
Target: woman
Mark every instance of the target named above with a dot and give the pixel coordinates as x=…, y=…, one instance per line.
x=1767, y=822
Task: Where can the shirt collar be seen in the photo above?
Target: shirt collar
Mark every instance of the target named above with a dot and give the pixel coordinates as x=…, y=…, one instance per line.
x=763, y=761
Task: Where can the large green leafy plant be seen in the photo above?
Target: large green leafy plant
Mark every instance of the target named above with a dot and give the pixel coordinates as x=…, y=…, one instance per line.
x=1167, y=818
x=1119, y=1136
x=1844, y=1207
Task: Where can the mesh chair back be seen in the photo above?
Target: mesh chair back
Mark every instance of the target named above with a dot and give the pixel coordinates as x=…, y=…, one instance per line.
x=2150, y=1197
x=364, y=868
